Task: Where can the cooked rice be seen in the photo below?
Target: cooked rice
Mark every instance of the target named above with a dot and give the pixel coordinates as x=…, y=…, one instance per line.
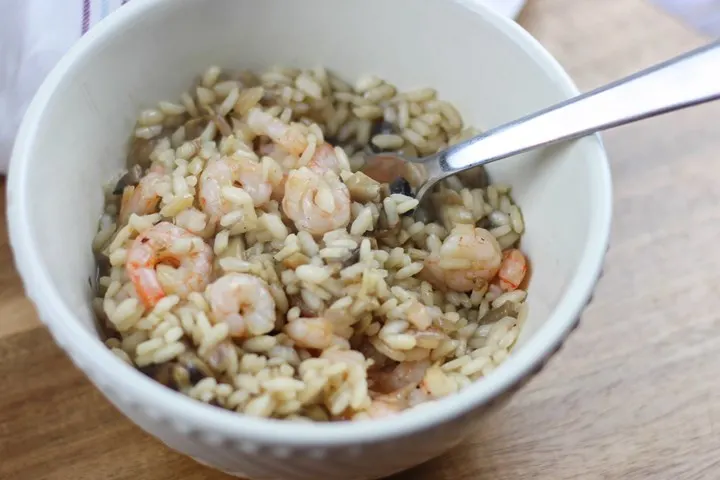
x=349, y=307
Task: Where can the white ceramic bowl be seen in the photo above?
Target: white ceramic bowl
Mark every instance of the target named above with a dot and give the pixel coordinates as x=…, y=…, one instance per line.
x=73, y=138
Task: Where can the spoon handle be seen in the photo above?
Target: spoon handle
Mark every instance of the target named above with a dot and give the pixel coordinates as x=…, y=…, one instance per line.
x=684, y=81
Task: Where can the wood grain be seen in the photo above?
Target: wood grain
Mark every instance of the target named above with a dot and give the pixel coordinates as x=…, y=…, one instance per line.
x=16, y=312
x=632, y=395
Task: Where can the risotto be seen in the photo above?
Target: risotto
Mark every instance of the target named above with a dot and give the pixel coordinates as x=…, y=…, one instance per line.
x=250, y=259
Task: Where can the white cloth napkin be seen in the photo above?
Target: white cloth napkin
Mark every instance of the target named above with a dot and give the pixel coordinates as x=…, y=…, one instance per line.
x=34, y=34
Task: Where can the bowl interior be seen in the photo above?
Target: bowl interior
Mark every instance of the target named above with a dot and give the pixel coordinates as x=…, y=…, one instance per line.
x=76, y=140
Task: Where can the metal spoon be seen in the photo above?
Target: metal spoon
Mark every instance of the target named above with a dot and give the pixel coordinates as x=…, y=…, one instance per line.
x=684, y=81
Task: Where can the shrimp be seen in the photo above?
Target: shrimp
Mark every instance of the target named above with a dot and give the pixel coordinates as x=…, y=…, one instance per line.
x=310, y=332
x=250, y=175
x=405, y=375
x=153, y=249
x=394, y=402
x=468, y=258
x=141, y=199
x=325, y=160
x=225, y=172
x=216, y=175
x=512, y=270
x=290, y=137
x=317, y=204
x=243, y=302
x=416, y=383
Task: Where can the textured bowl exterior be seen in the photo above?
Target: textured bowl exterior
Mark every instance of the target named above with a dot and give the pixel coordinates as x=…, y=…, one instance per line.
x=250, y=448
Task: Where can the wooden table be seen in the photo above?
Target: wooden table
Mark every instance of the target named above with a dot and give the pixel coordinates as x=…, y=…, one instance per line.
x=633, y=394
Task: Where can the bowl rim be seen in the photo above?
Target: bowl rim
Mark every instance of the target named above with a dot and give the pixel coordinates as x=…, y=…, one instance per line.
x=138, y=390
